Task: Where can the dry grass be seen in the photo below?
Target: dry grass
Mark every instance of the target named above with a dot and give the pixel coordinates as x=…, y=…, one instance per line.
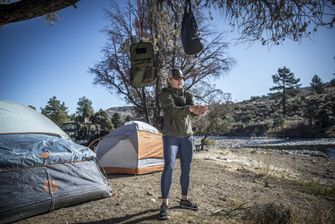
x=273, y=213
x=319, y=189
x=277, y=213
x=265, y=170
x=269, y=213
x=315, y=214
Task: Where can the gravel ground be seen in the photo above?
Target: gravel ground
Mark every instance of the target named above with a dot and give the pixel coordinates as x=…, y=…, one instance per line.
x=229, y=185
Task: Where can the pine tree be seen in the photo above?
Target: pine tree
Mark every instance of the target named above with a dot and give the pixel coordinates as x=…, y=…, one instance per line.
x=116, y=120
x=317, y=85
x=285, y=81
x=84, y=109
x=128, y=118
x=56, y=111
x=101, y=118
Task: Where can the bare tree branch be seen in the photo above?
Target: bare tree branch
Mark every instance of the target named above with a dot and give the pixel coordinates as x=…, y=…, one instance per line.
x=161, y=27
x=28, y=9
x=271, y=22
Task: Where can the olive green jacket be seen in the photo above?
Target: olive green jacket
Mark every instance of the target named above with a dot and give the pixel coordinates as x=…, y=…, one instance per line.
x=177, y=117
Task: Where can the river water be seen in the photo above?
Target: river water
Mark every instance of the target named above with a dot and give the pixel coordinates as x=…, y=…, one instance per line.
x=312, y=146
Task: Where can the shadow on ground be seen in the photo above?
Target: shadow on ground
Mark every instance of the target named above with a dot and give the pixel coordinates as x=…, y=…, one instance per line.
x=140, y=217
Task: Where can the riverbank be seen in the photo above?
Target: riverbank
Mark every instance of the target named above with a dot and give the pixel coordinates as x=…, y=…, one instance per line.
x=324, y=147
x=229, y=184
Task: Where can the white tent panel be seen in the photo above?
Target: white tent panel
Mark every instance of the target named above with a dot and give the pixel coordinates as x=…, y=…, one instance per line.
x=141, y=126
x=121, y=155
x=150, y=162
x=17, y=118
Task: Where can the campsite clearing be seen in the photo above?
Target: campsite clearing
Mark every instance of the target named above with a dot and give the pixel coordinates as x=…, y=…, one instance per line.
x=230, y=186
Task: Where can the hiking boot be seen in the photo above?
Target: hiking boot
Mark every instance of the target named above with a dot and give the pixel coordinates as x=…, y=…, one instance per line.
x=187, y=204
x=163, y=212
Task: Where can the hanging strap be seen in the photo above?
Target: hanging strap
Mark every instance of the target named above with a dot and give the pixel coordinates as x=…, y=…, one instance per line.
x=188, y=6
x=139, y=18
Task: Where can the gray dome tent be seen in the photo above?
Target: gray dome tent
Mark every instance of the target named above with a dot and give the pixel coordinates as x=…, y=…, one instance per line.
x=135, y=148
x=41, y=169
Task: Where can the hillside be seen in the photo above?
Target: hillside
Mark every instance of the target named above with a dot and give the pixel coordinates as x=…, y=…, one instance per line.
x=308, y=115
x=125, y=110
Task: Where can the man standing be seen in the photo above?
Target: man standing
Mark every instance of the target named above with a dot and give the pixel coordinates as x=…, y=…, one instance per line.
x=178, y=107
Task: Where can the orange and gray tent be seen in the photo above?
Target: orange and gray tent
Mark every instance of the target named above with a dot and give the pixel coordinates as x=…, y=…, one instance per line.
x=41, y=169
x=135, y=148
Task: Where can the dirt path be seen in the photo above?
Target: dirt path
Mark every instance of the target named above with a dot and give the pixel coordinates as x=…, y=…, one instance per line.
x=230, y=186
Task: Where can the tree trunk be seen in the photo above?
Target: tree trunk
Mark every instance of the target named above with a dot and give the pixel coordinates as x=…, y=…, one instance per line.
x=284, y=102
x=145, y=107
x=28, y=9
x=284, y=98
x=203, y=142
x=157, y=118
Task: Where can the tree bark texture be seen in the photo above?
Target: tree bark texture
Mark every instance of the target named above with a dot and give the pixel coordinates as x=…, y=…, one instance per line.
x=28, y=9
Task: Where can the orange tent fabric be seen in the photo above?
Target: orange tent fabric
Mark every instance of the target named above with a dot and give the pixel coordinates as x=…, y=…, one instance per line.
x=135, y=148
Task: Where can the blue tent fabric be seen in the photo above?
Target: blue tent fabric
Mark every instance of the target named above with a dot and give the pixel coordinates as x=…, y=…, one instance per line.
x=40, y=173
x=25, y=150
x=41, y=169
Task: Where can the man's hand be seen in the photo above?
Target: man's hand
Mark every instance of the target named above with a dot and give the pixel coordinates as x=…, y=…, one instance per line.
x=199, y=110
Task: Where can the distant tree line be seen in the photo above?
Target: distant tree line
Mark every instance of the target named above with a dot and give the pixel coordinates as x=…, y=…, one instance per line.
x=56, y=111
x=288, y=110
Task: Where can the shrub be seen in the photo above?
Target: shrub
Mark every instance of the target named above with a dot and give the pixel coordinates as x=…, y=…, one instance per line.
x=330, y=132
x=208, y=142
x=269, y=213
x=278, y=121
x=317, y=213
x=319, y=189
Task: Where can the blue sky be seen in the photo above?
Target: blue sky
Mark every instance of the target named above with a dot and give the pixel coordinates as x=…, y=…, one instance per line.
x=38, y=61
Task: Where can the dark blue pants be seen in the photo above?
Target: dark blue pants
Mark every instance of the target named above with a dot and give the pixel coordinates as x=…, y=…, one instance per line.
x=173, y=145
